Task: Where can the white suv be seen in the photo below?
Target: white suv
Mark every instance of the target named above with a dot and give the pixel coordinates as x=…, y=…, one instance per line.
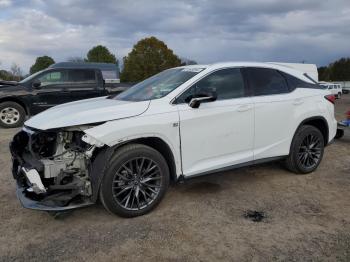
x=181, y=123
x=335, y=89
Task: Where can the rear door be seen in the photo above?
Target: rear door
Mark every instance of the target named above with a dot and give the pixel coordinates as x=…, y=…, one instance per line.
x=84, y=84
x=274, y=106
x=217, y=134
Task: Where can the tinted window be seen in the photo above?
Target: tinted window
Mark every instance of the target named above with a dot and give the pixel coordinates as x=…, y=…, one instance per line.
x=82, y=76
x=294, y=82
x=53, y=78
x=264, y=81
x=227, y=83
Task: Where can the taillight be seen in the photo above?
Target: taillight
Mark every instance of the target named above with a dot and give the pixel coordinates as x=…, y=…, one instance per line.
x=330, y=98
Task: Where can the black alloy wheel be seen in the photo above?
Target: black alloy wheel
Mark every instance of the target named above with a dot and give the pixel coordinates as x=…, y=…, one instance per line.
x=310, y=151
x=135, y=181
x=306, y=150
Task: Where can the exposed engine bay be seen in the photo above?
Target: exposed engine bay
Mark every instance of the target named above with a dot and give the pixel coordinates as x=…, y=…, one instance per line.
x=52, y=167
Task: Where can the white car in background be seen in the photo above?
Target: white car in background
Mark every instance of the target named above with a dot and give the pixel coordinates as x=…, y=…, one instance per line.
x=335, y=89
x=181, y=123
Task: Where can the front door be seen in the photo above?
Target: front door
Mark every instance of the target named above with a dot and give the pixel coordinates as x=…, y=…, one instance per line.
x=218, y=134
x=52, y=90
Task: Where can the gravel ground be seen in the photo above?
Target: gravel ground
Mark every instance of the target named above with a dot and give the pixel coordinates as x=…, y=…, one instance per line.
x=307, y=218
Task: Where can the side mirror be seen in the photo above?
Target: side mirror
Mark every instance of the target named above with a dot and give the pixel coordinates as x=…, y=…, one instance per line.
x=36, y=84
x=202, y=98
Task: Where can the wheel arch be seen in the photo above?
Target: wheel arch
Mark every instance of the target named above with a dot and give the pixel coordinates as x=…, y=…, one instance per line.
x=320, y=123
x=161, y=146
x=104, y=154
x=15, y=100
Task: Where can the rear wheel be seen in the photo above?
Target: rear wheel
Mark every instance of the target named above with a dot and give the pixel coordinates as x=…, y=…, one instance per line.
x=306, y=150
x=135, y=182
x=11, y=115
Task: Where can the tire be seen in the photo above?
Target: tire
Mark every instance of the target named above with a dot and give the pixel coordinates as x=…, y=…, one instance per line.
x=131, y=194
x=339, y=95
x=11, y=115
x=306, y=151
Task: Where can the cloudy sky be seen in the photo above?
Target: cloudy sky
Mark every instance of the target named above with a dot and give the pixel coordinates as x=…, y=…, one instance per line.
x=315, y=31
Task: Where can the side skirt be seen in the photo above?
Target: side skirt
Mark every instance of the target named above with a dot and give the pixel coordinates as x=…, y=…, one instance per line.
x=228, y=168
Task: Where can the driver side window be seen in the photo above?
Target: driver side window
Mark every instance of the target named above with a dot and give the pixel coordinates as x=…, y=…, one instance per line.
x=53, y=78
x=227, y=83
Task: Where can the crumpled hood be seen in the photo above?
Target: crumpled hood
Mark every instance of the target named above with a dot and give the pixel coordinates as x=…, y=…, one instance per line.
x=87, y=111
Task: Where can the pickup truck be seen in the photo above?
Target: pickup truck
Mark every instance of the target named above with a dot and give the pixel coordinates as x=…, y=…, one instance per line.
x=58, y=84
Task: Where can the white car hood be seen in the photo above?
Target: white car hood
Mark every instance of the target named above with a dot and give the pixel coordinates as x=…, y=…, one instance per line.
x=87, y=111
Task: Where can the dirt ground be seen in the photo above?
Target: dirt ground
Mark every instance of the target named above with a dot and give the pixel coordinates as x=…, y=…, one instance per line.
x=307, y=218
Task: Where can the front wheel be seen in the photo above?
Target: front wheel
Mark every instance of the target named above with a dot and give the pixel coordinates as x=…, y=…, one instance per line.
x=306, y=150
x=135, y=181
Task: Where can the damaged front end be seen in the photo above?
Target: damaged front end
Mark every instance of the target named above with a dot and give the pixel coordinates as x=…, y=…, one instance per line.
x=53, y=169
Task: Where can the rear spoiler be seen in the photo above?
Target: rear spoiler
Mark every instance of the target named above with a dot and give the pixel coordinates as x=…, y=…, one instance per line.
x=309, y=69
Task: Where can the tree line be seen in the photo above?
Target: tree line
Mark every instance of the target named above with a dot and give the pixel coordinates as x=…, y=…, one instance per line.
x=336, y=71
x=148, y=56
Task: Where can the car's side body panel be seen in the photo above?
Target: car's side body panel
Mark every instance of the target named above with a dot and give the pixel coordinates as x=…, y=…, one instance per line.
x=263, y=129
x=216, y=135
x=160, y=121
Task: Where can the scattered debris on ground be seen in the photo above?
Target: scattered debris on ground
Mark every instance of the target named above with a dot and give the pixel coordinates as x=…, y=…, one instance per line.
x=255, y=216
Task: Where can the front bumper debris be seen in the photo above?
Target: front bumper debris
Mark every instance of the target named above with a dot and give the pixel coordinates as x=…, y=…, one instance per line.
x=46, y=205
x=37, y=190
x=35, y=181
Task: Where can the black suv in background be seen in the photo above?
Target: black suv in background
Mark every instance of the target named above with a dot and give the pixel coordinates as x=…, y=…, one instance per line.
x=58, y=84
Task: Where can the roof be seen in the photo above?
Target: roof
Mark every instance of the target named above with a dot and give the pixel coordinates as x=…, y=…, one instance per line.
x=101, y=66
x=287, y=68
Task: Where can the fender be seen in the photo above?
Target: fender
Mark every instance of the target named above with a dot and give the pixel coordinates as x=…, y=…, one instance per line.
x=18, y=101
x=99, y=165
x=315, y=121
x=97, y=169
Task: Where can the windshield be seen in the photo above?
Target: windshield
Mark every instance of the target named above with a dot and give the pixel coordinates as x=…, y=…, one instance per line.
x=158, y=85
x=31, y=77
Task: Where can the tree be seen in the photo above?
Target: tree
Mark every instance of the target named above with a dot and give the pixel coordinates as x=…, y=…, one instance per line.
x=340, y=70
x=16, y=72
x=41, y=63
x=5, y=75
x=100, y=54
x=323, y=73
x=336, y=71
x=149, y=56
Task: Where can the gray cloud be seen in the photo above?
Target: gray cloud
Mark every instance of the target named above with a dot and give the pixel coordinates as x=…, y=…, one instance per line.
x=207, y=31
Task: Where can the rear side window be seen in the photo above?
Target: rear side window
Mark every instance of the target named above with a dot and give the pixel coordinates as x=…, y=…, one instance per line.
x=109, y=74
x=227, y=83
x=294, y=82
x=265, y=81
x=82, y=76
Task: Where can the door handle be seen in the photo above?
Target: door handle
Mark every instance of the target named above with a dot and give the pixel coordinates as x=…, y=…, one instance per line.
x=244, y=108
x=298, y=101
